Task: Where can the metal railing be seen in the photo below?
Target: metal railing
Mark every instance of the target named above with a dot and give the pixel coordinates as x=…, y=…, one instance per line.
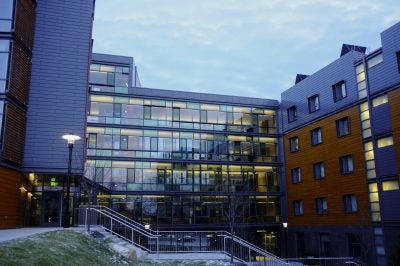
x=174, y=241
x=334, y=261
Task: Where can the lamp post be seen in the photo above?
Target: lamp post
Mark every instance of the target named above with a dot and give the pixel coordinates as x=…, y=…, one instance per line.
x=285, y=228
x=70, y=138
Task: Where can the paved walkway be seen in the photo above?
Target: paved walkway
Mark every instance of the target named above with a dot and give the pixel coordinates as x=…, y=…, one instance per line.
x=11, y=234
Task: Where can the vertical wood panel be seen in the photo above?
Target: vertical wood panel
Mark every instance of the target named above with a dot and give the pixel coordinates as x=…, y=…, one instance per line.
x=12, y=198
x=334, y=185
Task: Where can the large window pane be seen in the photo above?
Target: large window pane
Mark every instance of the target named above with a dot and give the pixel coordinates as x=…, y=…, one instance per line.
x=3, y=65
x=6, y=9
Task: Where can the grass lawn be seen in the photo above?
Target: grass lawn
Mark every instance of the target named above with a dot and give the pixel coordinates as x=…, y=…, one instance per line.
x=67, y=247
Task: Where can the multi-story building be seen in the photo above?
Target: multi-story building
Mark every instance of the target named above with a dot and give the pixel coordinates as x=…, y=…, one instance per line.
x=181, y=160
x=173, y=159
x=17, y=19
x=340, y=128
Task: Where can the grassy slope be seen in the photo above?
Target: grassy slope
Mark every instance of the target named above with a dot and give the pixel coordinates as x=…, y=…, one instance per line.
x=58, y=248
x=67, y=247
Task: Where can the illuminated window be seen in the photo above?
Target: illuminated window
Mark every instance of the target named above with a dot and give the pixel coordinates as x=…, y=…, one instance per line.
x=380, y=100
x=390, y=185
x=384, y=142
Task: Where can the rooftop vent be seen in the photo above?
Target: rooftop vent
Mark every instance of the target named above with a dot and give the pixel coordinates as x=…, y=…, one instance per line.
x=348, y=47
x=300, y=77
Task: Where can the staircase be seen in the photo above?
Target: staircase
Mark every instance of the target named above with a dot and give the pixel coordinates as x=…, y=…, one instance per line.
x=161, y=244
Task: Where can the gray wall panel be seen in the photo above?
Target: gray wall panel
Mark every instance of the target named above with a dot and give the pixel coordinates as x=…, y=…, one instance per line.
x=57, y=102
x=321, y=83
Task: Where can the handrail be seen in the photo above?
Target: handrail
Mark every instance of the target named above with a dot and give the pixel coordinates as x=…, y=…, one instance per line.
x=150, y=240
x=144, y=231
x=122, y=236
x=114, y=212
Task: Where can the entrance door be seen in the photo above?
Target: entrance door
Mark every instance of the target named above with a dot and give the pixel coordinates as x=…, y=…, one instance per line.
x=51, y=209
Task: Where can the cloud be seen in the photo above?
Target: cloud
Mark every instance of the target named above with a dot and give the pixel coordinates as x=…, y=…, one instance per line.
x=235, y=47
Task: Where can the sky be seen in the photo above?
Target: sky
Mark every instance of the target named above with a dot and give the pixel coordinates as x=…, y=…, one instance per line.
x=250, y=48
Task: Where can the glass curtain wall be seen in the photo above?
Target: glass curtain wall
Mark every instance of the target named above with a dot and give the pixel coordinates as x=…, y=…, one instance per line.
x=175, y=162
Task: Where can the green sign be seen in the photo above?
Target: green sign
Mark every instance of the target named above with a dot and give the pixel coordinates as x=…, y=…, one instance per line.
x=53, y=182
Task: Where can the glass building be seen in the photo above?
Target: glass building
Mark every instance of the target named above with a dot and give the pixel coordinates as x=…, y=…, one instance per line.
x=175, y=159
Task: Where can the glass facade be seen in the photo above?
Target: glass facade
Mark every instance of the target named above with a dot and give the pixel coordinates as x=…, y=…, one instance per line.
x=4, y=63
x=6, y=15
x=173, y=161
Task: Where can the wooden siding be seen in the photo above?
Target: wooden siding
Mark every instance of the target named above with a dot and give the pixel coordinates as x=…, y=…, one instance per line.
x=394, y=103
x=14, y=133
x=25, y=21
x=334, y=185
x=20, y=74
x=12, y=199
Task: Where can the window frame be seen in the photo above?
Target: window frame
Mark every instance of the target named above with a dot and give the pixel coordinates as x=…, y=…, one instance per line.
x=338, y=87
x=348, y=203
x=340, y=128
x=316, y=136
x=292, y=113
x=345, y=160
x=322, y=170
x=298, y=207
x=294, y=144
x=295, y=172
x=321, y=205
x=314, y=103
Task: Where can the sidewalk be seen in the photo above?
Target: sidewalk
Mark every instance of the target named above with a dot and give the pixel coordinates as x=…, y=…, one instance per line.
x=11, y=234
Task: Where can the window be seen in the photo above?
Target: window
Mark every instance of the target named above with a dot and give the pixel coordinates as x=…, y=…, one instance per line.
x=292, y=113
x=380, y=100
x=325, y=245
x=385, y=142
x=294, y=144
x=350, y=203
x=92, y=139
x=321, y=206
x=313, y=103
x=124, y=142
x=346, y=164
x=319, y=170
x=296, y=175
x=316, y=136
x=300, y=245
x=343, y=127
x=339, y=91
x=375, y=60
x=390, y=185
x=354, y=244
x=298, y=207
x=398, y=60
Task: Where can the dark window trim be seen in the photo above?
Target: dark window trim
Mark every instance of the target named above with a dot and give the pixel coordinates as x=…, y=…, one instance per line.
x=312, y=138
x=334, y=88
x=337, y=127
x=311, y=100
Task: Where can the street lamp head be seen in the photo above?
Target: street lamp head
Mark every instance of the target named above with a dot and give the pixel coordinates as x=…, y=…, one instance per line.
x=285, y=225
x=71, y=138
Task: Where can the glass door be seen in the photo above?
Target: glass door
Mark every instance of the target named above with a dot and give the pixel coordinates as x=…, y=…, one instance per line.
x=51, y=209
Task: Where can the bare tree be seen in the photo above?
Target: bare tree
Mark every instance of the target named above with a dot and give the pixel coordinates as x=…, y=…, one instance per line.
x=233, y=205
